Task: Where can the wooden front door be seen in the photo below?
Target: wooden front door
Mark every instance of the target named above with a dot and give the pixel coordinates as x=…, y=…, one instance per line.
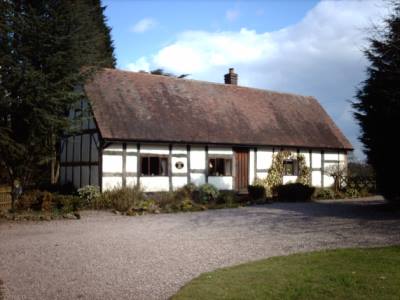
x=241, y=169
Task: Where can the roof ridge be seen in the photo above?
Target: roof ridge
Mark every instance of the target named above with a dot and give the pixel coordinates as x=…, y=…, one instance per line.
x=210, y=82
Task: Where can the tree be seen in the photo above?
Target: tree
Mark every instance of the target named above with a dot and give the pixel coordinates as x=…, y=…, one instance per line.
x=163, y=73
x=377, y=108
x=338, y=172
x=44, y=46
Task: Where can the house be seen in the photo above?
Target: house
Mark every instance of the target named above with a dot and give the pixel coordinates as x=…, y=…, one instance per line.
x=163, y=132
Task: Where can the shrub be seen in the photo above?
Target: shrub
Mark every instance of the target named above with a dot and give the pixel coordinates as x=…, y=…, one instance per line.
x=351, y=192
x=46, y=201
x=165, y=200
x=187, y=205
x=257, y=192
x=207, y=193
x=66, y=203
x=228, y=198
x=294, y=192
x=276, y=172
x=29, y=200
x=121, y=199
x=35, y=200
x=324, y=193
x=190, y=188
x=88, y=194
x=187, y=191
x=146, y=205
x=68, y=189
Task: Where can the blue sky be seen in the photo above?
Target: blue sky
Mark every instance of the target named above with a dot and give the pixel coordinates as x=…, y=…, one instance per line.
x=306, y=47
x=173, y=17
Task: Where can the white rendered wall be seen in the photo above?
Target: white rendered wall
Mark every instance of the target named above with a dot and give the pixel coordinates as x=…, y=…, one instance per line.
x=175, y=170
x=154, y=149
x=155, y=183
x=131, y=164
x=221, y=182
x=329, y=155
x=289, y=179
x=328, y=180
x=264, y=158
x=179, y=150
x=264, y=161
x=131, y=181
x=197, y=158
x=178, y=181
x=259, y=163
x=251, y=166
x=316, y=159
x=316, y=178
x=220, y=151
x=110, y=183
x=112, y=163
x=197, y=178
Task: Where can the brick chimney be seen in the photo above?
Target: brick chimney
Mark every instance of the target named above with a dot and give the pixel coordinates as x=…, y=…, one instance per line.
x=231, y=77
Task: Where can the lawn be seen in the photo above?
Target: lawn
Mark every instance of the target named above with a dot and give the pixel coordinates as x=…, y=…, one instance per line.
x=372, y=273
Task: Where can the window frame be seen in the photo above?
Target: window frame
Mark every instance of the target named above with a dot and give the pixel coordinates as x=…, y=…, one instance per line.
x=224, y=158
x=295, y=168
x=160, y=158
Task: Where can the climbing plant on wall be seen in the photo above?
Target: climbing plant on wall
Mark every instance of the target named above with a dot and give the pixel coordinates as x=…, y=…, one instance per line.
x=276, y=172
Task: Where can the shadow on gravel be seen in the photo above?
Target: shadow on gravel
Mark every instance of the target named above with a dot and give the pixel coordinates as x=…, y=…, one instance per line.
x=1, y=290
x=373, y=210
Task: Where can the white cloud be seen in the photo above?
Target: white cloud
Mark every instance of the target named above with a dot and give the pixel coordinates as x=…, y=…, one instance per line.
x=144, y=25
x=232, y=14
x=320, y=56
x=141, y=64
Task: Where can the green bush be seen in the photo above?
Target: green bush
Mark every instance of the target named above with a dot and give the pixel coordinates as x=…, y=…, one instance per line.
x=66, y=203
x=257, y=192
x=46, y=201
x=120, y=199
x=352, y=192
x=68, y=189
x=228, y=198
x=207, y=193
x=294, y=192
x=324, y=193
x=166, y=201
x=186, y=204
x=35, y=200
x=29, y=200
x=88, y=194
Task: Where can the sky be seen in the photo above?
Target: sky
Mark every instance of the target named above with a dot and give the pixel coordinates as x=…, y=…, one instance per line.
x=305, y=47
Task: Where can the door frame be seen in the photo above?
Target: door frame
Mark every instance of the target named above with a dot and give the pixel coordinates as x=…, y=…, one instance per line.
x=236, y=168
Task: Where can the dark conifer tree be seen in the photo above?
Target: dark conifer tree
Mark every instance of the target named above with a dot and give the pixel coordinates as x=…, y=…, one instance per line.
x=378, y=106
x=44, y=46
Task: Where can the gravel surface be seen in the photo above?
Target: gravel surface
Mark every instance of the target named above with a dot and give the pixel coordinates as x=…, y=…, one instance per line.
x=105, y=256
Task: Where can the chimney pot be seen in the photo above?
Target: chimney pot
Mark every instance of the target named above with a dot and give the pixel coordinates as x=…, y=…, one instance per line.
x=231, y=77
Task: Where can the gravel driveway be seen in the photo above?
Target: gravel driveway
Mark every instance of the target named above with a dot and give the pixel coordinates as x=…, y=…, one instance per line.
x=105, y=256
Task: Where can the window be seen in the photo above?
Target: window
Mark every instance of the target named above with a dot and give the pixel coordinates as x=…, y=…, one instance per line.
x=154, y=166
x=290, y=167
x=220, y=167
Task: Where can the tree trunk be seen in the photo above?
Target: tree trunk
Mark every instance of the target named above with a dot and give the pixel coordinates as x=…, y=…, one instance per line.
x=55, y=163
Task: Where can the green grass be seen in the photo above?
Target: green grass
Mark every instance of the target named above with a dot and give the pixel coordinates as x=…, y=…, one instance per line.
x=372, y=273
